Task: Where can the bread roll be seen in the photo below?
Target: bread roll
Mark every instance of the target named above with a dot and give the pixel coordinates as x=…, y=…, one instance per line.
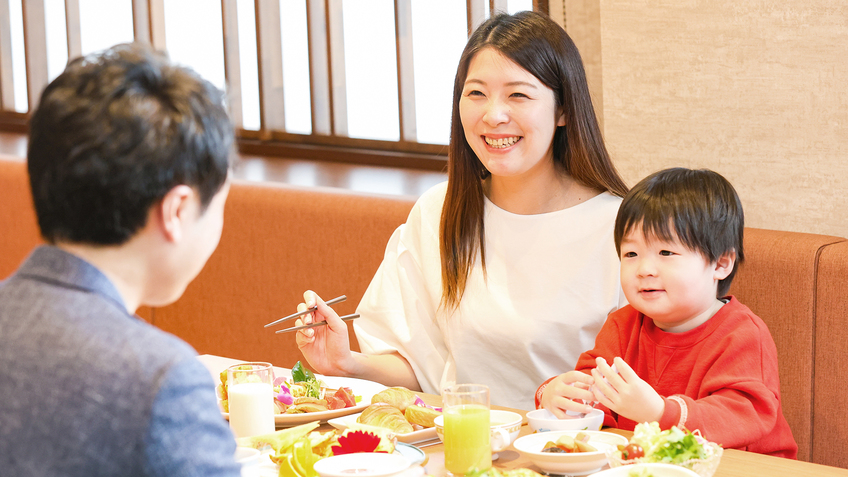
x=422, y=416
x=385, y=416
x=398, y=397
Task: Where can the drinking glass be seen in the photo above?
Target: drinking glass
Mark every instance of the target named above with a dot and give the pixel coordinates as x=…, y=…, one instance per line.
x=466, y=416
x=251, y=398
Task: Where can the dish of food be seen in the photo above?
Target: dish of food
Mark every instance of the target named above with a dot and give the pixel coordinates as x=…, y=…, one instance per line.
x=361, y=388
x=579, y=463
x=296, y=451
x=426, y=434
x=673, y=446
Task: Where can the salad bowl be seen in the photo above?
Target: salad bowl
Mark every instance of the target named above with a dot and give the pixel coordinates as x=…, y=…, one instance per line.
x=673, y=446
x=579, y=463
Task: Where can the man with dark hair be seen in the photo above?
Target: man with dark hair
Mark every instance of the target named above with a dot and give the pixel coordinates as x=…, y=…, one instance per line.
x=129, y=160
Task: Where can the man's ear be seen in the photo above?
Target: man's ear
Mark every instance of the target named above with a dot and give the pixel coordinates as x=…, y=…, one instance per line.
x=173, y=211
x=724, y=265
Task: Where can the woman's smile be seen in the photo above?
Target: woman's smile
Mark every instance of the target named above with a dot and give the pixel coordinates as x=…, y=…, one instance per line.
x=509, y=117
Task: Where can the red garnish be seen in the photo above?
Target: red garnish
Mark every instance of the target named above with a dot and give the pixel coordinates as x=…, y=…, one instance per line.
x=357, y=441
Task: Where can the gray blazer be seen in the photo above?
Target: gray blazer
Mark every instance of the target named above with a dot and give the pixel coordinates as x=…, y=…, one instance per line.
x=86, y=389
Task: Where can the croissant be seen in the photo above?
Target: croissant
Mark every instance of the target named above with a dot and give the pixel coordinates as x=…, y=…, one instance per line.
x=385, y=416
x=422, y=416
x=398, y=397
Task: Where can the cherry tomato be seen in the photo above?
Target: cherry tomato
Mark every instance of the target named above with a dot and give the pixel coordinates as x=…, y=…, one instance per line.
x=632, y=451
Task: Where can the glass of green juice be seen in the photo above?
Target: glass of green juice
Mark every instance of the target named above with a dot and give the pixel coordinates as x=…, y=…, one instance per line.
x=466, y=418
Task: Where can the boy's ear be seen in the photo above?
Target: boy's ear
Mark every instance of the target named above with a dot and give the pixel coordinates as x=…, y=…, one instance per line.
x=172, y=212
x=724, y=265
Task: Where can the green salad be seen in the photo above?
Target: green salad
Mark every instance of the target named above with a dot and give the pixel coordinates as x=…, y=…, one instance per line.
x=673, y=446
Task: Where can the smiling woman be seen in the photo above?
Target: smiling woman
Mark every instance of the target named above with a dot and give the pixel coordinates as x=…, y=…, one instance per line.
x=451, y=303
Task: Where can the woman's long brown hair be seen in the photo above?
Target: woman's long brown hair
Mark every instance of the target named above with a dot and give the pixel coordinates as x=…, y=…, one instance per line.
x=540, y=46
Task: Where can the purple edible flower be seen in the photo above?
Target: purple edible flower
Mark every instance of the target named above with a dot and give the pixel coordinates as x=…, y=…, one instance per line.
x=285, y=395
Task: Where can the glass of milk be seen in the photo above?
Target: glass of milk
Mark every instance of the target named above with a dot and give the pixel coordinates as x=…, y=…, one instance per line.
x=251, y=399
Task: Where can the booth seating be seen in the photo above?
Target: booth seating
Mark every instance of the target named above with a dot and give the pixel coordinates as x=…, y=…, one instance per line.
x=280, y=240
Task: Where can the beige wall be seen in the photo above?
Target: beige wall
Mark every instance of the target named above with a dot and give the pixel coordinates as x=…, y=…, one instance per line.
x=756, y=90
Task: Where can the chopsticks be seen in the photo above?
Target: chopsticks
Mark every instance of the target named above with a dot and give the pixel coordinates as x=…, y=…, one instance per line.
x=317, y=323
x=338, y=299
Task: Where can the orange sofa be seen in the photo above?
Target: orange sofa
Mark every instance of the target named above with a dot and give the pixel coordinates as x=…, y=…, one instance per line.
x=280, y=240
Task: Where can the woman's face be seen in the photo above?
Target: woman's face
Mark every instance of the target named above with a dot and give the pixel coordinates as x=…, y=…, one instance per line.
x=508, y=115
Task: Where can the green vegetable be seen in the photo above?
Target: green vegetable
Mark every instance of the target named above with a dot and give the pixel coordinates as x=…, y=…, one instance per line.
x=301, y=374
x=307, y=379
x=672, y=446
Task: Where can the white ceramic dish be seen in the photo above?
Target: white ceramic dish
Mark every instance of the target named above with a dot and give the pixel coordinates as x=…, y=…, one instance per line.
x=344, y=422
x=363, y=464
x=575, y=464
x=656, y=470
x=247, y=455
x=542, y=420
x=361, y=388
x=415, y=455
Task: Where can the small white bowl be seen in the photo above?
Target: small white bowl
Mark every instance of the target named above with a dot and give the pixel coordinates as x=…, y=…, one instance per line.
x=654, y=469
x=247, y=455
x=542, y=420
x=362, y=464
x=575, y=463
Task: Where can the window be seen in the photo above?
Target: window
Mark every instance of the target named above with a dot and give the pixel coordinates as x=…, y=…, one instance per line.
x=298, y=73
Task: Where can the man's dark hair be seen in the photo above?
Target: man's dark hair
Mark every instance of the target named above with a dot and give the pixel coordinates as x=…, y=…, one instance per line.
x=701, y=205
x=113, y=134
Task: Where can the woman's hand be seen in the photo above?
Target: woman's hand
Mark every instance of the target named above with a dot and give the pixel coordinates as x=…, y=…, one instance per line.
x=625, y=393
x=562, y=393
x=326, y=348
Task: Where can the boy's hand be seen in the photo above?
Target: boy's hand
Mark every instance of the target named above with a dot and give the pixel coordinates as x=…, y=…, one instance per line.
x=562, y=393
x=625, y=393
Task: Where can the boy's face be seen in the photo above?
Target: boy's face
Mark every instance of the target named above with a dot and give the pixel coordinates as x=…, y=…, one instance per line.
x=668, y=282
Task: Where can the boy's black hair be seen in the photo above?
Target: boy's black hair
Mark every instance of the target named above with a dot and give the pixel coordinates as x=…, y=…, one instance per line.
x=701, y=205
x=113, y=134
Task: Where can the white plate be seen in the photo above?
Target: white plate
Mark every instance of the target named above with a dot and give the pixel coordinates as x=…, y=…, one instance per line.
x=266, y=468
x=415, y=455
x=362, y=464
x=580, y=463
x=343, y=423
x=657, y=470
x=360, y=387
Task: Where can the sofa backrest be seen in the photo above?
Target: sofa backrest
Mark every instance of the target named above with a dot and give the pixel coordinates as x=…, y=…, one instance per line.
x=778, y=283
x=18, y=226
x=279, y=241
x=830, y=403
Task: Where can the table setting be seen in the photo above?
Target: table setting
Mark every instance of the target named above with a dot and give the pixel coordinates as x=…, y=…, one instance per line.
x=514, y=450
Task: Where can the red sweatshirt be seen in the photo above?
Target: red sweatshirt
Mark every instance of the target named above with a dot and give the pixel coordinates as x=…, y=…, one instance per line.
x=720, y=377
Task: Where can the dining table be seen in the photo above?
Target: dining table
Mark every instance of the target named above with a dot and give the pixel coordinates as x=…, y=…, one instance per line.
x=734, y=462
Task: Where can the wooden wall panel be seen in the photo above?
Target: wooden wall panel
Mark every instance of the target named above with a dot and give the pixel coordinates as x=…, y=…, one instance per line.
x=755, y=90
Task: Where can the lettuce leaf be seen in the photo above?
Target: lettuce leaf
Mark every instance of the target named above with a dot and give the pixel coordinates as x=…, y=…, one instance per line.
x=672, y=446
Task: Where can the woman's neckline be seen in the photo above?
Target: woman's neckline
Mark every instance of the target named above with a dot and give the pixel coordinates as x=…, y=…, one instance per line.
x=570, y=194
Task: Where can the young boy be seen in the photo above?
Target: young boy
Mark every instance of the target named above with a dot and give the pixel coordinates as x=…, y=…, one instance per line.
x=685, y=354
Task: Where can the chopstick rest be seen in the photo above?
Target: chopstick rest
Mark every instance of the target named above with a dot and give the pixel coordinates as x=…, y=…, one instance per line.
x=338, y=299
x=317, y=323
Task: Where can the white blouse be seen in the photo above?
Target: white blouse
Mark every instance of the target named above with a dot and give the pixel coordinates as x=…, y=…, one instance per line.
x=551, y=281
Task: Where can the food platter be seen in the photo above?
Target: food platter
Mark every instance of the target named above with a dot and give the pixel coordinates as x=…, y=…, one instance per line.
x=344, y=422
x=361, y=388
